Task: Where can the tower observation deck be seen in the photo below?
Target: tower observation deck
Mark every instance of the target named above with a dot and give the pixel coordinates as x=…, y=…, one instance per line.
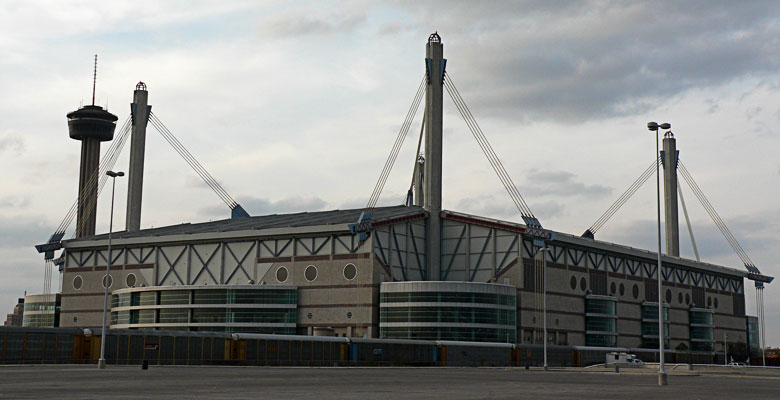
x=90, y=125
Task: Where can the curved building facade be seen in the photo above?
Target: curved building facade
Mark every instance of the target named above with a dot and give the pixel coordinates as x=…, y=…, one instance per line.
x=466, y=311
x=222, y=308
x=41, y=310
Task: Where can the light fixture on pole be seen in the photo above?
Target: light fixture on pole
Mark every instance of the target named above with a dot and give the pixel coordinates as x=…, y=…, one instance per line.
x=107, y=278
x=544, y=251
x=652, y=126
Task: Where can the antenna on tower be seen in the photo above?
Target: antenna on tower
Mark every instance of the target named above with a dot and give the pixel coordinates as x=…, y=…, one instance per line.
x=94, y=81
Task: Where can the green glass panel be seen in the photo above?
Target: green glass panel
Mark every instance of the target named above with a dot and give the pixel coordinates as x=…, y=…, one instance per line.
x=600, y=306
x=208, y=296
x=601, y=324
x=147, y=299
x=174, y=297
x=703, y=318
x=448, y=297
x=174, y=315
x=700, y=332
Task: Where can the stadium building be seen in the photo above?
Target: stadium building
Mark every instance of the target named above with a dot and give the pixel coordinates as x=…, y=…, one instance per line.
x=413, y=271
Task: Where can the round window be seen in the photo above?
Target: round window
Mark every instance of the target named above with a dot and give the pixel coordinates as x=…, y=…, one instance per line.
x=310, y=273
x=350, y=271
x=281, y=274
x=308, y=315
x=622, y=289
x=110, y=281
x=349, y=314
x=78, y=282
x=679, y=298
x=635, y=291
x=687, y=298
x=573, y=283
x=668, y=295
x=583, y=284
x=130, y=280
x=716, y=302
x=613, y=288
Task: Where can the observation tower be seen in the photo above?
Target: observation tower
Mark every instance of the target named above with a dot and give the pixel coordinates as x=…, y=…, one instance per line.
x=90, y=125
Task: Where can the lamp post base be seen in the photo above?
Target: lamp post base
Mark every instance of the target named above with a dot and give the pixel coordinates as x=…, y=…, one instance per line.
x=662, y=381
x=101, y=364
x=545, y=368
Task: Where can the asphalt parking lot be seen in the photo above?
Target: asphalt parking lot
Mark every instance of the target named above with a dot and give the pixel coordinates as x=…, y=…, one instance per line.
x=180, y=382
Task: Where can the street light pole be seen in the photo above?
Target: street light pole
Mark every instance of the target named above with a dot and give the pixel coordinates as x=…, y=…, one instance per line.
x=544, y=251
x=661, y=372
x=107, y=278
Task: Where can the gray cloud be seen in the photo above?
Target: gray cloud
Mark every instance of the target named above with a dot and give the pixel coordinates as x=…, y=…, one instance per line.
x=14, y=145
x=548, y=210
x=23, y=231
x=713, y=106
x=571, y=62
x=496, y=205
x=259, y=206
x=754, y=233
x=499, y=206
x=301, y=23
x=752, y=112
x=390, y=28
x=14, y=202
x=561, y=183
x=554, y=185
x=194, y=181
x=387, y=199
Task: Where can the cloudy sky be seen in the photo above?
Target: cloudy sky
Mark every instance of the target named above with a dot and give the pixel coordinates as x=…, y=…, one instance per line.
x=294, y=106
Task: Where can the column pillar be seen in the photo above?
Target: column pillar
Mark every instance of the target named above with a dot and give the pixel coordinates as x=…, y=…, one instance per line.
x=669, y=155
x=434, y=64
x=135, y=177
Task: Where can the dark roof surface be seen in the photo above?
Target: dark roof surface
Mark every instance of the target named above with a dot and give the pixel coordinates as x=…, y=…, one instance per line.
x=334, y=217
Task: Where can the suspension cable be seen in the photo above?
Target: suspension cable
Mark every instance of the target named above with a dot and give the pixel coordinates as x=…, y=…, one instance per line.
x=487, y=149
x=91, y=202
x=714, y=215
x=107, y=162
x=623, y=198
x=417, y=153
x=402, y=133
x=92, y=181
x=688, y=222
x=192, y=161
x=189, y=158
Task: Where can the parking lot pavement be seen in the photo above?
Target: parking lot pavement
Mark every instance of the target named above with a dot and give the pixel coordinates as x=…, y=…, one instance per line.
x=177, y=382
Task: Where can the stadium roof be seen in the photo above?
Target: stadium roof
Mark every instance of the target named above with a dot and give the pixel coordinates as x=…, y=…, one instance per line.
x=382, y=215
x=334, y=217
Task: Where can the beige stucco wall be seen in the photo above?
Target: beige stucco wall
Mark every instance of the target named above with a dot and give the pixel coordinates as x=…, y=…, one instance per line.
x=83, y=307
